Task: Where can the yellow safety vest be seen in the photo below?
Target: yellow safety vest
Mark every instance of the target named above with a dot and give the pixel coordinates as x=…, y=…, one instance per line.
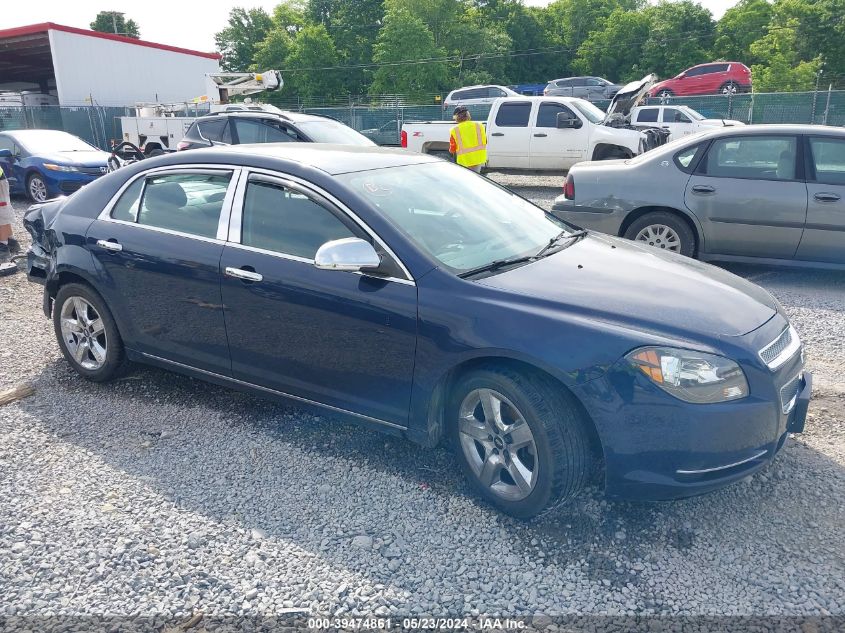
x=471, y=141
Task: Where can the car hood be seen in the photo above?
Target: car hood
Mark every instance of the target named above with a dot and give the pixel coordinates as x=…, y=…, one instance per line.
x=629, y=96
x=618, y=281
x=93, y=158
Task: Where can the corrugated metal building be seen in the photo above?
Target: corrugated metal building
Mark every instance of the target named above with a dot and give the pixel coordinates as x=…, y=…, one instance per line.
x=84, y=67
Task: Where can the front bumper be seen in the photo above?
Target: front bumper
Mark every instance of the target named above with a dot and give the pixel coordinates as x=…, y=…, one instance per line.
x=657, y=447
x=602, y=219
x=66, y=183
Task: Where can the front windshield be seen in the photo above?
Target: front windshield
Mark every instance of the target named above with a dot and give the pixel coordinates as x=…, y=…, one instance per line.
x=329, y=131
x=590, y=111
x=462, y=220
x=47, y=141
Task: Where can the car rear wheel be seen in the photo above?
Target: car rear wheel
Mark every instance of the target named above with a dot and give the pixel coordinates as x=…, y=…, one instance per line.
x=665, y=93
x=521, y=442
x=87, y=333
x=729, y=88
x=665, y=231
x=36, y=188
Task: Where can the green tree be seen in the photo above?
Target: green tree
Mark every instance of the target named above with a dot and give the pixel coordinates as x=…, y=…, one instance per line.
x=405, y=36
x=310, y=64
x=615, y=50
x=115, y=22
x=783, y=69
x=739, y=27
x=354, y=25
x=681, y=35
x=290, y=16
x=240, y=39
x=272, y=52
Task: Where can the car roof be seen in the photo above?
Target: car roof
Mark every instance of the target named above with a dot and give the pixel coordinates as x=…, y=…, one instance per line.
x=330, y=158
x=777, y=128
x=293, y=117
x=480, y=86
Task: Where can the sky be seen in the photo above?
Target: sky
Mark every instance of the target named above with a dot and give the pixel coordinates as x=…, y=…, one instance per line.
x=182, y=23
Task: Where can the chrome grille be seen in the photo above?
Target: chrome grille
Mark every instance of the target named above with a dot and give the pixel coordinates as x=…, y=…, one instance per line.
x=91, y=171
x=781, y=349
x=789, y=393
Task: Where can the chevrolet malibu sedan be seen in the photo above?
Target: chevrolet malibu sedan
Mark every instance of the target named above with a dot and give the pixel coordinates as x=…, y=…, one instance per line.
x=44, y=164
x=761, y=193
x=423, y=300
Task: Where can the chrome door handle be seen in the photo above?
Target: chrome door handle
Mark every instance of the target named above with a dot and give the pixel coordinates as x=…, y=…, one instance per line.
x=827, y=197
x=114, y=247
x=704, y=189
x=246, y=275
x=541, y=135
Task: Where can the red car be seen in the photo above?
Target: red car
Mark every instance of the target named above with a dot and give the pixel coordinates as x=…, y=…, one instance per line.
x=706, y=79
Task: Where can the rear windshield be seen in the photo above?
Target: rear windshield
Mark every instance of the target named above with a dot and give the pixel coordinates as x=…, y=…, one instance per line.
x=329, y=131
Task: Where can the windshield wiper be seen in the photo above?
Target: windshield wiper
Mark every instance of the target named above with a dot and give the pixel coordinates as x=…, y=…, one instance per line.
x=496, y=265
x=569, y=235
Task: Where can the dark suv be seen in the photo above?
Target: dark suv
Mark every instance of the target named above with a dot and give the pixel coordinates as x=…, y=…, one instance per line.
x=240, y=127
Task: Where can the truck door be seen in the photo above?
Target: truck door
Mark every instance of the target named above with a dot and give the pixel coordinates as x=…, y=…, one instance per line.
x=554, y=148
x=678, y=123
x=508, y=143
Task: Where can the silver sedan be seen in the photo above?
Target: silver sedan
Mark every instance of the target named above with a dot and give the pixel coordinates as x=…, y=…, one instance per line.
x=773, y=193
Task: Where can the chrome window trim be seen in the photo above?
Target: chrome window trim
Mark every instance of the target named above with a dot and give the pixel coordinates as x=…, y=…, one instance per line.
x=276, y=392
x=305, y=187
x=788, y=352
x=147, y=227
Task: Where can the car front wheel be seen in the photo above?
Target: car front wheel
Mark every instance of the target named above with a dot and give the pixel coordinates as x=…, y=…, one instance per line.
x=87, y=333
x=36, y=188
x=665, y=231
x=520, y=440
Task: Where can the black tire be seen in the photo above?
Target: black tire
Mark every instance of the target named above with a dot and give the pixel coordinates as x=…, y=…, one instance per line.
x=662, y=218
x=665, y=93
x=29, y=187
x=155, y=152
x=563, y=458
x=115, y=363
x=729, y=87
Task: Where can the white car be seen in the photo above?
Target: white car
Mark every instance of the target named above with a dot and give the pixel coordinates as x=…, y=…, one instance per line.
x=476, y=95
x=678, y=119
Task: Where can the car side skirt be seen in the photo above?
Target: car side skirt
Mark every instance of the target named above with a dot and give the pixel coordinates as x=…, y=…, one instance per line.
x=770, y=261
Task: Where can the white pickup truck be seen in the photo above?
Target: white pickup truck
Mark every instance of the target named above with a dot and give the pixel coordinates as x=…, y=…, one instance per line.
x=678, y=119
x=549, y=133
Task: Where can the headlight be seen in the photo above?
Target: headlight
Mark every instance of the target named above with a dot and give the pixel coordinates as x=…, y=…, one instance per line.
x=54, y=167
x=691, y=376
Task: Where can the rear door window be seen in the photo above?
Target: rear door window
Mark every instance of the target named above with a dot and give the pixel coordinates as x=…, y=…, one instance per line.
x=187, y=203
x=513, y=114
x=757, y=157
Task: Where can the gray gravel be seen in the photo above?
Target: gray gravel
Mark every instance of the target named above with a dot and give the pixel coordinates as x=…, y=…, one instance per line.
x=159, y=495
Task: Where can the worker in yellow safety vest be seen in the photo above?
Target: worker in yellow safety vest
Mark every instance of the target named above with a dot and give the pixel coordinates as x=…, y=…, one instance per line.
x=468, y=141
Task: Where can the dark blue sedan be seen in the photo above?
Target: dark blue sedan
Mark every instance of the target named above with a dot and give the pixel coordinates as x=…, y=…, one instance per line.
x=426, y=301
x=44, y=164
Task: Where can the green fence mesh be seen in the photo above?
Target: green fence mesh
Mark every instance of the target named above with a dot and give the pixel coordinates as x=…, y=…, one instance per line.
x=383, y=123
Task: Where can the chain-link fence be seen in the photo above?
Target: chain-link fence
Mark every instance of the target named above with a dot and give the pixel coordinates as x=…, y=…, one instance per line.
x=381, y=118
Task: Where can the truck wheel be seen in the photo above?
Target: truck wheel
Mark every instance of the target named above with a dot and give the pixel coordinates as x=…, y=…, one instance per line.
x=155, y=152
x=521, y=443
x=663, y=230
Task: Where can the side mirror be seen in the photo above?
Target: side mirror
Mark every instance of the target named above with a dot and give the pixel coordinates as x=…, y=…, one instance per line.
x=350, y=254
x=567, y=121
x=6, y=153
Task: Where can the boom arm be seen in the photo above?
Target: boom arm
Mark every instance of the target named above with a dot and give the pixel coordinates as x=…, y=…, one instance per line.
x=229, y=84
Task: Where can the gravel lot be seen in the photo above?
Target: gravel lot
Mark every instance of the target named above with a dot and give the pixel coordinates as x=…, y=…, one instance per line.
x=159, y=495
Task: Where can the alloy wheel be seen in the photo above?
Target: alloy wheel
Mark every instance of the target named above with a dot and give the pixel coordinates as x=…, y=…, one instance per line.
x=729, y=89
x=84, y=333
x=37, y=189
x=660, y=236
x=498, y=444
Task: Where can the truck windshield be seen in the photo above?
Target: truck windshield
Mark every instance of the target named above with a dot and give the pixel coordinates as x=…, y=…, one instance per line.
x=462, y=220
x=329, y=131
x=593, y=114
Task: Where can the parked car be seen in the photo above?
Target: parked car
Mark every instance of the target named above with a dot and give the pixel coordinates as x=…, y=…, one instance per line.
x=679, y=120
x=549, y=133
x=475, y=95
x=44, y=164
x=589, y=88
x=706, y=79
x=386, y=133
x=424, y=300
x=242, y=126
x=770, y=192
